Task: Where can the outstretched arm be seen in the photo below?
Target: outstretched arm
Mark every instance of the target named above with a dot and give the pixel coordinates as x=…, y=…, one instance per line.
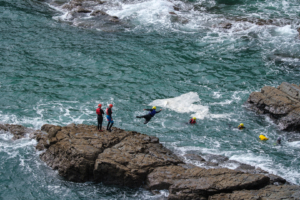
x=159, y=111
x=148, y=109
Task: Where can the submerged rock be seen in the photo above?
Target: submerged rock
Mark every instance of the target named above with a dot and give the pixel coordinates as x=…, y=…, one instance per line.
x=18, y=131
x=98, y=12
x=226, y=25
x=282, y=104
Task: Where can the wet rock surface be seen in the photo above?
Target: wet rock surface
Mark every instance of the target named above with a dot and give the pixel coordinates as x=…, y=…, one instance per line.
x=81, y=153
x=86, y=13
x=219, y=161
x=270, y=192
x=127, y=158
x=190, y=182
x=282, y=104
x=18, y=131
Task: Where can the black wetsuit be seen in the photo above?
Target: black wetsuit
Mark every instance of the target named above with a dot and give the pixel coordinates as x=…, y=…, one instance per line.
x=109, y=119
x=149, y=115
x=100, y=118
x=279, y=140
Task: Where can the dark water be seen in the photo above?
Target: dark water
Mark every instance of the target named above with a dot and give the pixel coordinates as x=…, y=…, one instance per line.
x=56, y=70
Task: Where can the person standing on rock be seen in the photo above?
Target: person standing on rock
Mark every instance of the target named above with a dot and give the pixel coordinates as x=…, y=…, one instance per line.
x=149, y=115
x=109, y=118
x=100, y=114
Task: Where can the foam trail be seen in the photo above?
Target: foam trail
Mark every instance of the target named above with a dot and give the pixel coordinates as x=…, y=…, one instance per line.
x=147, y=11
x=184, y=104
x=287, y=30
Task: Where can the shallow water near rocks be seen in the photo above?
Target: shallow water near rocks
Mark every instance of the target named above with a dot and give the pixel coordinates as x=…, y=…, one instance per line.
x=56, y=70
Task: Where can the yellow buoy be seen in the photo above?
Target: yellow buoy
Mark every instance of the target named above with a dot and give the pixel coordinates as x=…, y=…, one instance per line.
x=262, y=137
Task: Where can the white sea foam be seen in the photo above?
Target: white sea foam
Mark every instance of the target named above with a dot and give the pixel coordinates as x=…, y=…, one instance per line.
x=146, y=11
x=263, y=161
x=217, y=95
x=295, y=144
x=286, y=30
x=187, y=103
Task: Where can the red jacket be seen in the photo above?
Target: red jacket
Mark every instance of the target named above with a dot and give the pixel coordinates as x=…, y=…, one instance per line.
x=99, y=111
x=192, y=121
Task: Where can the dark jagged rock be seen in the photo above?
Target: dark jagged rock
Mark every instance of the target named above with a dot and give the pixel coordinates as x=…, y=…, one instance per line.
x=82, y=153
x=98, y=12
x=72, y=150
x=176, y=8
x=226, y=25
x=219, y=161
x=83, y=10
x=114, y=19
x=282, y=104
x=18, y=131
x=199, y=183
x=3, y=127
x=194, y=157
x=270, y=192
x=130, y=161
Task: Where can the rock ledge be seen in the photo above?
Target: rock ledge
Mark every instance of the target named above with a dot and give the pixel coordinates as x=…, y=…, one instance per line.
x=282, y=104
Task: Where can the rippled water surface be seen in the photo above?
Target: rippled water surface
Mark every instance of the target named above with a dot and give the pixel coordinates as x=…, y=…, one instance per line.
x=56, y=69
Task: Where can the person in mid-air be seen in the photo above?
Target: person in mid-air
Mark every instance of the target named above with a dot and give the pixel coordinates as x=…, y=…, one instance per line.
x=109, y=118
x=100, y=113
x=241, y=126
x=151, y=114
x=193, y=120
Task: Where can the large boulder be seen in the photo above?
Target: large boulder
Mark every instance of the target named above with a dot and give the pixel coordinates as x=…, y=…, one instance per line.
x=282, y=104
x=130, y=161
x=81, y=153
x=270, y=192
x=73, y=149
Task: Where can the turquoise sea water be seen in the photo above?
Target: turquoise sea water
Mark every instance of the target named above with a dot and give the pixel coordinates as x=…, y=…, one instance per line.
x=55, y=69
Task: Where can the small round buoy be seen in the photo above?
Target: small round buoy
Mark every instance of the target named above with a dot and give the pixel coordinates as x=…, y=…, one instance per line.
x=262, y=137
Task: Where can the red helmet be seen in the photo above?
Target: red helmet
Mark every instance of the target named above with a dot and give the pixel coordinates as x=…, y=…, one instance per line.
x=110, y=105
x=100, y=105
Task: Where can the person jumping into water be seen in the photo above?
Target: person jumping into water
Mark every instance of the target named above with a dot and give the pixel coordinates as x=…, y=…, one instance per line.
x=100, y=113
x=109, y=118
x=193, y=120
x=150, y=114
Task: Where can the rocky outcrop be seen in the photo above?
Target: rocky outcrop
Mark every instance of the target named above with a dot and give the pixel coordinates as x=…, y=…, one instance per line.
x=190, y=182
x=83, y=8
x=219, y=161
x=130, y=161
x=81, y=153
x=127, y=158
x=282, y=104
x=18, y=131
x=270, y=192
